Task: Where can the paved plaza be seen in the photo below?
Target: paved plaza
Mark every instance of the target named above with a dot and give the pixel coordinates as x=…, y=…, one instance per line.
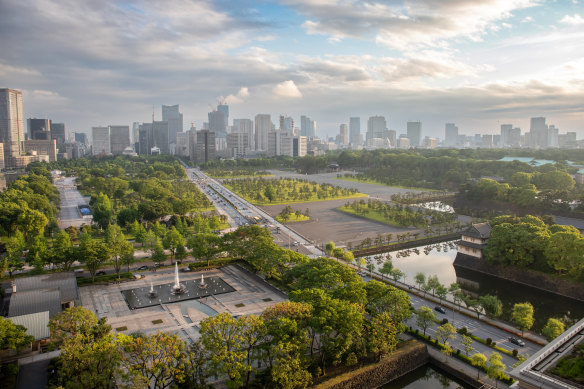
x=251, y=295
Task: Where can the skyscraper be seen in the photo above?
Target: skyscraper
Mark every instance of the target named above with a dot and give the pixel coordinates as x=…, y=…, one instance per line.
x=205, y=146
x=245, y=126
x=58, y=133
x=538, y=131
x=218, y=123
x=263, y=124
x=222, y=107
x=355, y=130
x=376, y=126
x=286, y=123
x=414, y=131
x=307, y=127
x=119, y=138
x=160, y=133
x=450, y=134
x=39, y=129
x=101, y=140
x=171, y=114
x=506, y=134
x=344, y=134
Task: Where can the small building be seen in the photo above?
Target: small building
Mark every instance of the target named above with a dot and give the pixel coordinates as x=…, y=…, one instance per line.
x=474, y=240
x=37, y=326
x=47, y=292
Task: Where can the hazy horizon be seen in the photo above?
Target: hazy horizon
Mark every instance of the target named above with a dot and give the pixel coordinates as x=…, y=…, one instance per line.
x=477, y=64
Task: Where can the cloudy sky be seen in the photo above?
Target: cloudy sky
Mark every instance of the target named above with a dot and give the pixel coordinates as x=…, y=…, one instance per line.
x=475, y=63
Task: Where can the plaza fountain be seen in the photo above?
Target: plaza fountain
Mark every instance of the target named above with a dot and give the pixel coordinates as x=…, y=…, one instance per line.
x=177, y=288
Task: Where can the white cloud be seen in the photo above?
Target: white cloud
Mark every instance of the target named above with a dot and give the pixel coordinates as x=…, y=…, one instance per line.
x=287, y=89
x=575, y=20
x=408, y=24
x=527, y=19
x=237, y=98
x=7, y=71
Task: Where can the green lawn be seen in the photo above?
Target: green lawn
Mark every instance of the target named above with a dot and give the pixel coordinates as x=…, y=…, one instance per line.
x=292, y=201
x=374, y=182
x=371, y=215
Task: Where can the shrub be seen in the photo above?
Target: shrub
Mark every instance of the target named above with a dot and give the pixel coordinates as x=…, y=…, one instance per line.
x=444, y=321
x=515, y=352
x=489, y=341
x=463, y=330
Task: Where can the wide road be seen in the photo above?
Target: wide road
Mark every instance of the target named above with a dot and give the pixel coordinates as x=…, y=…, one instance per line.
x=240, y=212
x=70, y=198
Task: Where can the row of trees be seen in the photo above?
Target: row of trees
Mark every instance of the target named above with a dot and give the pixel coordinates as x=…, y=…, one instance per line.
x=529, y=242
x=400, y=215
x=286, y=190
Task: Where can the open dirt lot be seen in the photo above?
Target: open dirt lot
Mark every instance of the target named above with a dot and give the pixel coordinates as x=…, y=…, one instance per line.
x=328, y=224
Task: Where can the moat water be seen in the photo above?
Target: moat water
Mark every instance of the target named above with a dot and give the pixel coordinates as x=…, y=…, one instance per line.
x=438, y=260
x=426, y=377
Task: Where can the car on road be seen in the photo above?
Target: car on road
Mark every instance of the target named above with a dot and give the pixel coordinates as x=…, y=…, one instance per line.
x=139, y=276
x=186, y=269
x=143, y=267
x=295, y=243
x=100, y=273
x=517, y=342
x=439, y=309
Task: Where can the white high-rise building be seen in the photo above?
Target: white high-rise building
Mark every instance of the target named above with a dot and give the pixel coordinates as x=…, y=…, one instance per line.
x=101, y=140
x=450, y=134
x=263, y=124
x=343, y=134
x=11, y=122
x=245, y=126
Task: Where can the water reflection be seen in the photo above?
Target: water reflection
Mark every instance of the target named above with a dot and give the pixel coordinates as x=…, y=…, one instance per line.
x=438, y=260
x=426, y=377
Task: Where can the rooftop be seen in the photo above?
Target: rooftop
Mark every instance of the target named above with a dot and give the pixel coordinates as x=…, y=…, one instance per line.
x=36, y=324
x=480, y=230
x=34, y=301
x=65, y=282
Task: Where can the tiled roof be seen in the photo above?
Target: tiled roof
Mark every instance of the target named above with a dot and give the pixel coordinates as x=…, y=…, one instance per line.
x=480, y=230
x=65, y=282
x=36, y=324
x=34, y=301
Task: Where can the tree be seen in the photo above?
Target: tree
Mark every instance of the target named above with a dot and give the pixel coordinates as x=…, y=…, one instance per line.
x=38, y=253
x=496, y=367
x=222, y=337
x=196, y=366
x=386, y=268
x=172, y=240
x=62, y=251
x=270, y=193
x=397, y=274
x=93, y=252
x=118, y=246
x=446, y=350
x=13, y=336
x=564, y=252
x=420, y=279
x=348, y=257
x=480, y=361
x=441, y=292
x=446, y=332
x=32, y=223
x=383, y=334
x=425, y=317
x=158, y=255
x=492, y=305
x=152, y=360
x=433, y=283
x=139, y=232
x=467, y=344
x=102, y=210
x=522, y=316
x=553, y=329
x=329, y=248
x=205, y=246
x=386, y=298
x=14, y=249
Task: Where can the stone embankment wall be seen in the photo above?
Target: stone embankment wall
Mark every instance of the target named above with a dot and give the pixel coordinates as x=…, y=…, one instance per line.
x=523, y=276
x=403, y=361
x=406, y=245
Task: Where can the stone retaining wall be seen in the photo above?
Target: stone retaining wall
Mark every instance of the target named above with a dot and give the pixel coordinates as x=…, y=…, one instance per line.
x=403, y=361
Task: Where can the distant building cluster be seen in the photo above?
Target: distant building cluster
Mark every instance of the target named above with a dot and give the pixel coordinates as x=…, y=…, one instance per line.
x=45, y=140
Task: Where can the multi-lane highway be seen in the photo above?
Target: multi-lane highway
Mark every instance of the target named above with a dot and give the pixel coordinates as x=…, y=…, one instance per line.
x=240, y=212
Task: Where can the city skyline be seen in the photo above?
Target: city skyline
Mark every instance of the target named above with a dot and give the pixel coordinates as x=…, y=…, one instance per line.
x=478, y=65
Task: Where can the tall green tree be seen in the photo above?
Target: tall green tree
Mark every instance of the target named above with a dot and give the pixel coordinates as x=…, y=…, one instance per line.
x=158, y=254
x=15, y=246
x=62, y=252
x=92, y=252
x=425, y=317
x=102, y=211
x=205, y=246
x=496, y=367
x=553, y=329
x=173, y=240
x=13, y=336
x=118, y=246
x=522, y=316
x=480, y=361
x=492, y=305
